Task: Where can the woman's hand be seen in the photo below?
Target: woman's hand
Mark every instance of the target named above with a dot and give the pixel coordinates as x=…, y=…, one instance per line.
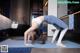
x=27, y=33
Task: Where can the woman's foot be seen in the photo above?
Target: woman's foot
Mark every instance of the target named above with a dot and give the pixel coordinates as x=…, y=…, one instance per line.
x=60, y=45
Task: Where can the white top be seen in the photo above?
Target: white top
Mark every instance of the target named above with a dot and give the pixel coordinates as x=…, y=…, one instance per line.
x=37, y=20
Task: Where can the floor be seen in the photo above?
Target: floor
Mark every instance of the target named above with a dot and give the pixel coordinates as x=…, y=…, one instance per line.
x=55, y=50
x=19, y=42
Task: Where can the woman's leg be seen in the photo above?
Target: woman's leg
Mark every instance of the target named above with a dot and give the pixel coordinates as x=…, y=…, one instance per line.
x=55, y=35
x=59, y=43
x=55, y=21
x=59, y=23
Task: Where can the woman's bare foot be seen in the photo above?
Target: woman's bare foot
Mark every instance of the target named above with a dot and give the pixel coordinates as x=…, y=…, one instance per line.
x=61, y=45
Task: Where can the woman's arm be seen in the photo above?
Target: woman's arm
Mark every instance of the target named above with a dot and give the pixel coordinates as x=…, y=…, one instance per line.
x=32, y=28
x=26, y=34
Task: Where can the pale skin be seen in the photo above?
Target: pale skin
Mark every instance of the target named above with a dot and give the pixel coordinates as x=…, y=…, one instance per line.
x=30, y=31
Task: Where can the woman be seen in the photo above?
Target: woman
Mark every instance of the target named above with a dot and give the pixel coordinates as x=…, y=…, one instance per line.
x=50, y=20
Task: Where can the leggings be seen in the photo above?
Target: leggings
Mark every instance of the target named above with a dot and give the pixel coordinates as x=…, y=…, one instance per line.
x=55, y=21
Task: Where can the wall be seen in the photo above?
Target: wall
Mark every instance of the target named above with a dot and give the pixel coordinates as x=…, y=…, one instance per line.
x=45, y=7
x=20, y=11
x=62, y=8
